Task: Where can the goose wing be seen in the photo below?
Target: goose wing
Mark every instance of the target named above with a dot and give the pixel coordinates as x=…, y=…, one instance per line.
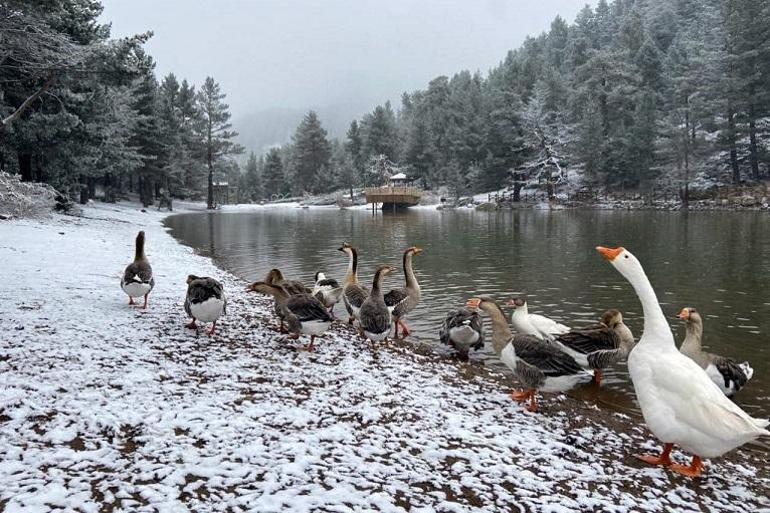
x=547, y=357
x=548, y=327
x=307, y=308
x=731, y=372
x=589, y=340
x=295, y=287
x=396, y=297
x=138, y=272
x=355, y=295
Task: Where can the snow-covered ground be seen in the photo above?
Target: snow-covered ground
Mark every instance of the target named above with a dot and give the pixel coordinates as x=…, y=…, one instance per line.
x=105, y=407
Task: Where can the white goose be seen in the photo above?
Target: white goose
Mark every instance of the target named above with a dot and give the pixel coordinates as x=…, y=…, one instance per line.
x=680, y=403
x=533, y=324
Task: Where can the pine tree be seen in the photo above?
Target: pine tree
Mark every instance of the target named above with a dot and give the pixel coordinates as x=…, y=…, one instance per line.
x=311, y=154
x=252, y=187
x=214, y=130
x=273, y=178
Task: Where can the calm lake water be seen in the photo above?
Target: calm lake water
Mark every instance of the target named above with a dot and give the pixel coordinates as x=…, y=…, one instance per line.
x=718, y=262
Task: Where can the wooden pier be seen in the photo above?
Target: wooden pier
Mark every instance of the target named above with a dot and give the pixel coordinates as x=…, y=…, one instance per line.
x=393, y=197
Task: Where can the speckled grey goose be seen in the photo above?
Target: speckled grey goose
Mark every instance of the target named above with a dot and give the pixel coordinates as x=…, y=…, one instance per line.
x=463, y=330
x=599, y=346
x=138, y=280
x=403, y=300
x=538, y=364
x=205, y=301
x=303, y=313
x=374, y=317
x=729, y=375
x=292, y=287
x=328, y=291
x=353, y=294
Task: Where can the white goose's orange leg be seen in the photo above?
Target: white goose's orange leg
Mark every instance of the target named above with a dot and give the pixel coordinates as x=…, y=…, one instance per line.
x=664, y=458
x=694, y=470
x=521, y=395
x=532, y=402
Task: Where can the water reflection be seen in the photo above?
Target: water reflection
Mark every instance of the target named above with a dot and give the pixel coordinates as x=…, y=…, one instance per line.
x=718, y=262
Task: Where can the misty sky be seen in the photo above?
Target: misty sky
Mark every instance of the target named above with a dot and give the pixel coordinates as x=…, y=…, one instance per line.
x=310, y=53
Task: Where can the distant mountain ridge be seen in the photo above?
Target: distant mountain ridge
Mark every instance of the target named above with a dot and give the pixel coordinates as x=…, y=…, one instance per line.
x=262, y=129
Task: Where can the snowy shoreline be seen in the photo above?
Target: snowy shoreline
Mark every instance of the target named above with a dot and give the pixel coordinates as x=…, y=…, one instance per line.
x=104, y=404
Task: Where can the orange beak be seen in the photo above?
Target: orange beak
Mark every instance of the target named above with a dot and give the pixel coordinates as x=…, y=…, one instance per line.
x=609, y=254
x=684, y=314
x=473, y=302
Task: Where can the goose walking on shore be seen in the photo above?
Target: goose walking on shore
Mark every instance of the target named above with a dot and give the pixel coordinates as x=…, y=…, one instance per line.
x=680, y=403
x=538, y=364
x=374, y=316
x=353, y=294
x=533, y=324
x=292, y=287
x=729, y=375
x=138, y=280
x=403, y=300
x=205, y=301
x=597, y=347
x=304, y=314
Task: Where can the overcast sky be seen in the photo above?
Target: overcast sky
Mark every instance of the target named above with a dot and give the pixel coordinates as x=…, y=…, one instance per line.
x=309, y=53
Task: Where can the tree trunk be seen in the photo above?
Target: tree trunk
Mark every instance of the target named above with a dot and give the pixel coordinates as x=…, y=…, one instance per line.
x=39, y=171
x=91, y=182
x=210, y=196
x=753, y=158
x=25, y=167
x=733, y=149
x=83, y=190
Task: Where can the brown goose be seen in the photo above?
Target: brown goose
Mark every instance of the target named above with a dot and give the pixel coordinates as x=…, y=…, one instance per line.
x=729, y=375
x=138, y=280
x=599, y=346
x=538, y=364
x=374, y=317
x=205, y=301
x=402, y=300
x=292, y=287
x=353, y=294
x=303, y=313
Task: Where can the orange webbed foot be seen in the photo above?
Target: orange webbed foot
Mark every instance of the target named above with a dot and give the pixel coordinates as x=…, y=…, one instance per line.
x=520, y=395
x=694, y=470
x=664, y=458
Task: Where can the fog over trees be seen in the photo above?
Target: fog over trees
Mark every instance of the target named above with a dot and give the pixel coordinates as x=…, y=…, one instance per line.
x=632, y=94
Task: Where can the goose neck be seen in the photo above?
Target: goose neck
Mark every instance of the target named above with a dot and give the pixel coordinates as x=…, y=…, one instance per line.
x=655, y=323
x=693, y=338
x=501, y=332
x=351, y=276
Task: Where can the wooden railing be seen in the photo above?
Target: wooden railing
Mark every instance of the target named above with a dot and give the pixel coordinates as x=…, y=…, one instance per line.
x=393, y=191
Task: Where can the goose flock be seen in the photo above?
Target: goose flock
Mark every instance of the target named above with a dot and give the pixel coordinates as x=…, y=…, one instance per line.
x=683, y=393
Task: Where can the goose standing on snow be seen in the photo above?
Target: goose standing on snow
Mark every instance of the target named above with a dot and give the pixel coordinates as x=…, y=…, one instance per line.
x=462, y=330
x=137, y=280
x=353, y=294
x=303, y=313
x=533, y=324
x=292, y=287
x=327, y=291
x=205, y=301
x=374, y=316
x=599, y=346
x=402, y=300
x=729, y=375
x=538, y=364
x=680, y=403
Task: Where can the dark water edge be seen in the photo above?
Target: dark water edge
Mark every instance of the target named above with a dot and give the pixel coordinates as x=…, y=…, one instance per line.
x=718, y=262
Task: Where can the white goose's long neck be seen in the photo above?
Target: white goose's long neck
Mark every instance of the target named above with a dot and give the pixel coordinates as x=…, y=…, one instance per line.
x=654, y=319
x=351, y=277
